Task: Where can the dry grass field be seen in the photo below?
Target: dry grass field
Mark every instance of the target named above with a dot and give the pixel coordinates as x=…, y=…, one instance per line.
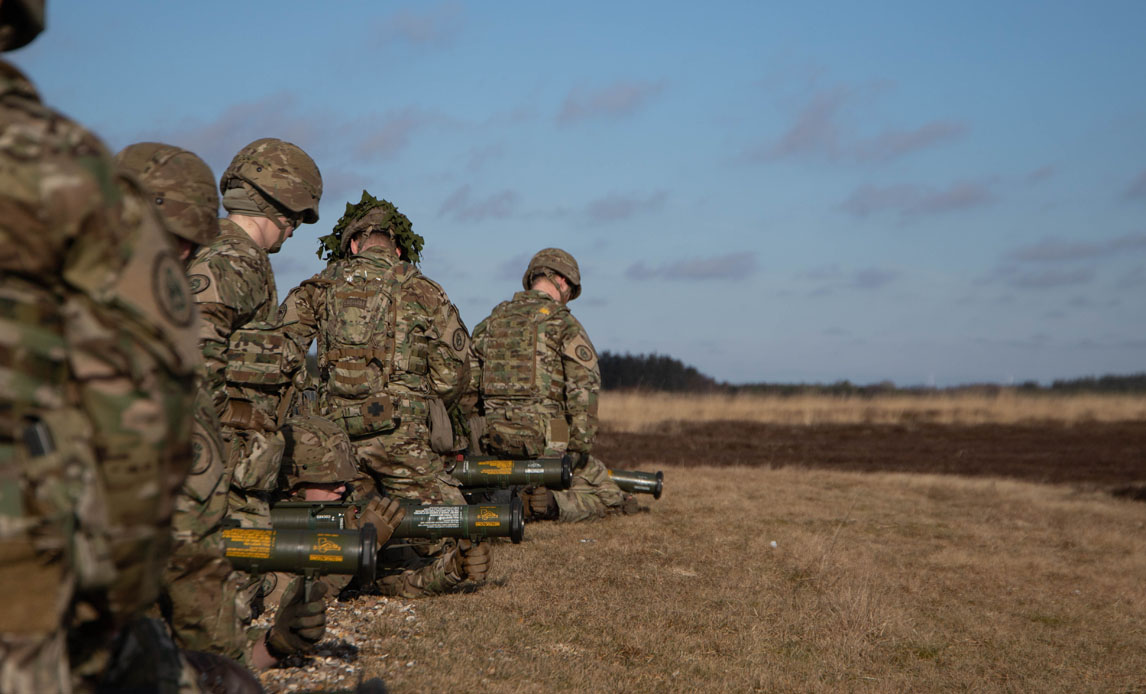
x=1018, y=569
x=632, y=411
x=877, y=583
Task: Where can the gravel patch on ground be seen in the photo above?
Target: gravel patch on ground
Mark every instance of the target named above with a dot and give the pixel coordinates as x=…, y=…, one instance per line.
x=353, y=630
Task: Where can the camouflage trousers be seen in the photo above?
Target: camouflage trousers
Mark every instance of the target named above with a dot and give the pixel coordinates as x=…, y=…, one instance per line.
x=593, y=494
x=404, y=466
x=200, y=600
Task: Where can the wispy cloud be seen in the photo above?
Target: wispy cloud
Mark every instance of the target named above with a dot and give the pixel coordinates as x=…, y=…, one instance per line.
x=385, y=137
x=1054, y=250
x=325, y=135
x=514, y=267
x=1137, y=188
x=820, y=131
x=830, y=278
x=734, y=266
x=462, y=206
x=1041, y=174
x=436, y=25
x=620, y=206
x=911, y=200
x=616, y=100
x=1050, y=278
x=1134, y=279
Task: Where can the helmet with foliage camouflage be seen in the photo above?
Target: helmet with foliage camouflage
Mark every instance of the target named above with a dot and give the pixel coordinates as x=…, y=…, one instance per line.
x=182, y=187
x=554, y=260
x=20, y=22
x=280, y=172
x=317, y=451
x=371, y=214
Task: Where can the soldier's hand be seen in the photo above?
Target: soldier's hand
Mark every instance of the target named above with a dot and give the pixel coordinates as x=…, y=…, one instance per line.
x=385, y=513
x=538, y=503
x=474, y=559
x=301, y=619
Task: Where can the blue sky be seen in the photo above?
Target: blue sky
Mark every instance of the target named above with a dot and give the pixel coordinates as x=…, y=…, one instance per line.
x=920, y=192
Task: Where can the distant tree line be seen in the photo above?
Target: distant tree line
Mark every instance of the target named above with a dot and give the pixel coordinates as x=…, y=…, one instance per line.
x=652, y=372
x=661, y=372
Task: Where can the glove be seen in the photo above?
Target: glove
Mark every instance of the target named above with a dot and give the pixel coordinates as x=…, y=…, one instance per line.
x=629, y=505
x=385, y=513
x=301, y=619
x=538, y=503
x=474, y=559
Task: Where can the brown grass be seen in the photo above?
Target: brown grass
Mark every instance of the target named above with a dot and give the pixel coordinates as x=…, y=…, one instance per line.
x=877, y=583
x=639, y=411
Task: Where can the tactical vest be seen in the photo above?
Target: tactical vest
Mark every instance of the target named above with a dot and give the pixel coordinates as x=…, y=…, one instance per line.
x=362, y=348
x=516, y=338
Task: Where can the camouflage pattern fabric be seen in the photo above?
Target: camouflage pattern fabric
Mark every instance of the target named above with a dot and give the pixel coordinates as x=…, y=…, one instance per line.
x=199, y=587
x=537, y=374
x=389, y=340
x=95, y=372
x=317, y=452
x=538, y=378
x=592, y=494
x=234, y=287
x=180, y=185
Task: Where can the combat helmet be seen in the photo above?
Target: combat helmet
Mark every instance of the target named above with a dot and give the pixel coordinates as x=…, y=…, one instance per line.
x=317, y=451
x=554, y=260
x=20, y=22
x=371, y=213
x=273, y=178
x=181, y=185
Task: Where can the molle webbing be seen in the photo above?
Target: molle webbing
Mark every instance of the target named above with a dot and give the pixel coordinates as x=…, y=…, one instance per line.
x=510, y=368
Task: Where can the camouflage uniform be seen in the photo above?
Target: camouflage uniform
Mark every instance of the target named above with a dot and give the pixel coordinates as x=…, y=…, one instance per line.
x=248, y=363
x=537, y=374
x=95, y=373
x=389, y=341
x=199, y=588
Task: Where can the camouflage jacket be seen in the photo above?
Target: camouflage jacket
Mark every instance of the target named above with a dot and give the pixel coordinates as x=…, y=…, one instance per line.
x=94, y=297
x=388, y=337
x=248, y=365
x=536, y=372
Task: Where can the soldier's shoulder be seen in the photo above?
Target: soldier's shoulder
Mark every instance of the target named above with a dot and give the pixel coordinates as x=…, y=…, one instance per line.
x=425, y=290
x=40, y=142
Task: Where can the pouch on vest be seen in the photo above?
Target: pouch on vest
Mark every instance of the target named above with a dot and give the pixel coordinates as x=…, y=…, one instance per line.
x=441, y=429
x=63, y=486
x=359, y=337
x=514, y=438
x=259, y=354
x=371, y=416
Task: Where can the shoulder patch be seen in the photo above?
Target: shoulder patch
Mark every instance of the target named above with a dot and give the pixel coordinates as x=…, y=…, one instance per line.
x=456, y=333
x=199, y=283
x=169, y=285
x=580, y=349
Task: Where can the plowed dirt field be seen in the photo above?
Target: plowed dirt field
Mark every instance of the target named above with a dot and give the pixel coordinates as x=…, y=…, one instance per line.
x=1109, y=456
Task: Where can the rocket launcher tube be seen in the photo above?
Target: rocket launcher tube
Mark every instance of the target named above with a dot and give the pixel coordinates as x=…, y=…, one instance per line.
x=491, y=472
x=636, y=482
x=303, y=551
x=470, y=521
